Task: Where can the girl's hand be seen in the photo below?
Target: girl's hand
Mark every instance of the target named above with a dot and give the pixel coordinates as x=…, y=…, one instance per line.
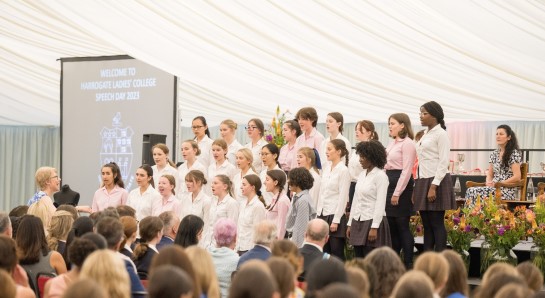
x=333, y=227
x=372, y=235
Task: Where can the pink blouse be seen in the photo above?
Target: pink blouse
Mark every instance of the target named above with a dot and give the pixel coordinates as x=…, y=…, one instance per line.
x=102, y=199
x=160, y=205
x=287, y=157
x=401, y=156
x=278, y=213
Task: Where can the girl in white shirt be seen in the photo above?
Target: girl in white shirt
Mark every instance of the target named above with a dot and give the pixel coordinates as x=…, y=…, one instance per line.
x=245, y=167
x=269, y=156
x=433, y=193
x=334, y=197
x=162, y=163
x=306, y=158
x=228, y=129
x=255, y=131
x=251, y=213
x=220, y=165
x=334, y=126
x=195, y=201
x=222, y=206
x=368, y=226
x=202, y=137
x=141, y=198
x=190, y=151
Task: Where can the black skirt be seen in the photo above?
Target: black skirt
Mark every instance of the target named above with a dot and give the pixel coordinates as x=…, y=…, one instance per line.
x=359, y=230
x=405, y=206
x=341, y=229
x=444, y=199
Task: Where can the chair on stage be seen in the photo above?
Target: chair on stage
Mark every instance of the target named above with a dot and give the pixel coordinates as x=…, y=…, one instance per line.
x=540, y=188
x=518, y=184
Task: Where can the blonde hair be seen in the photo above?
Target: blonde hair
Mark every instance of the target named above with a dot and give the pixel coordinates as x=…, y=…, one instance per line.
x=247, y=153
x=43, y=175
x=288, y=250
x=171, y=180
x=412, y=284
x=7, y=285
x=230, y=123
x=42, y=210
x=497, y=268
x=108, y=270
x=204, y=270
x=220, y=143
x=310, y=155
x=359, y=280
x=435, y=265
x=194, y=145
x=61, y=224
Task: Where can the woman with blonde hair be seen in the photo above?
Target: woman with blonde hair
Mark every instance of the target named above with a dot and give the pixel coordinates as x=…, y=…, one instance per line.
x=205, y=271
x=109, y=271
x=42, y=210
x=307, y=158
x=436, y=266
x=245, y=167
x=255, y=130
x=288, y=250
x=61, y=224
x=228, y=129
x=413, y=284
x=49, y=182
x=190, y=152
x=163, y=165
x=457, y=278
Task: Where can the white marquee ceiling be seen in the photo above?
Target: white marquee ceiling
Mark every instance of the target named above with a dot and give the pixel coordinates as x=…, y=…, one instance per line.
x=482, y=60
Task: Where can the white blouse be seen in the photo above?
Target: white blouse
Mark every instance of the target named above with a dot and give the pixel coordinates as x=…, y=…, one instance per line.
x=256, y=152
x=237, y=183
x=226, y=208
x=314, y=191
x=323, y=157
x=205, y=158
x=232, y=152
x=143, y=202
x=354, y=166
x=370, y=197
x=167, y=170
x=334, y=192
x=226, y=168
x=250, y=214
x=433, y=151
x=181, y=188
x=199, y=207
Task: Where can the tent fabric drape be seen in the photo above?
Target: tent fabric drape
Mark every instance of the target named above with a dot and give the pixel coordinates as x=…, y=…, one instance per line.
x=482, y=60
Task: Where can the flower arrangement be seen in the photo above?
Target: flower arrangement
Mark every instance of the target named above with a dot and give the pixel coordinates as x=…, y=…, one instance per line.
x=273, y=134
x=415, y=225
x=460, y=232
x=537, y=232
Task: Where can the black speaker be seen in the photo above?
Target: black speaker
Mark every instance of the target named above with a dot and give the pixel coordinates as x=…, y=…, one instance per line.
x=148, y=142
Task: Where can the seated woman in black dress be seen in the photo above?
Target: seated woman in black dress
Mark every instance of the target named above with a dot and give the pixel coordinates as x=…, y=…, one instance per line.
x=151, y=231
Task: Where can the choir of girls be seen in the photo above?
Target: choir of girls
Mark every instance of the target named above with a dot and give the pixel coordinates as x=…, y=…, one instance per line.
x=366, y=195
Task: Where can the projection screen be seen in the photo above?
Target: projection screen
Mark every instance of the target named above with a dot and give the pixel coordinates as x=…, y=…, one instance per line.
x=107, y=105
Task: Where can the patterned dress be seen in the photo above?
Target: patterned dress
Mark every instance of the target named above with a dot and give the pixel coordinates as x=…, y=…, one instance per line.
x=501, y=173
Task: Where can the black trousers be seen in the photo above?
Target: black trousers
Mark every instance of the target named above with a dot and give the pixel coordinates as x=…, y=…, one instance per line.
x=361, y=251
x=402, y=238
x=435, y=234
x=335, y=246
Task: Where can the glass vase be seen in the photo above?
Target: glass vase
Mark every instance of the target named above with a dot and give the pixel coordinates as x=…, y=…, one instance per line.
x=491, y=255
x=537, y=255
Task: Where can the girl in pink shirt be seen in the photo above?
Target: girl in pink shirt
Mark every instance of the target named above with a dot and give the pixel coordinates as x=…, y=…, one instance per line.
x=112, y=193
x=277, y=210
x=168, y=200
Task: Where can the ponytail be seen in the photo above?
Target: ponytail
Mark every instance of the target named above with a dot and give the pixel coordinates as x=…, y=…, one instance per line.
x=442, y=123
x=260, y=197
x=139, y=251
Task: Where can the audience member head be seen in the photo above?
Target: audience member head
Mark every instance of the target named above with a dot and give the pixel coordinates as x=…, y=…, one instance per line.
x=61, y=224
x=225, y=233
x=111, y=229
x=8, y=289
x=284, y=275
x=513, y=290
x=265, y=233
x=413, y=284
x=457, y=276
x=531, y=274
x=317, y=232
x=111, y=175
x=8, y=254
x=499, y=267
x=300, y=178
x=69, y=208
x=189, y=231
x=125, y=210
x=388, y=268
x=43, y=211
x=47, y=180
x=5, y=225
x=171, y=222
x=435, y=265
x=151, y=231
x=369, y=271
x=130, y=226
x=497, y=281
x=97, y=239
x=338, y=289
x=288, y=250
x=204, y=270
x=358, y=279
x=324, y=272
x=19, y=211
x=252, y=273
x=87, y=288
x=31, y=241
x=175, y=255
x=108, y=212
x=168, y=281
x=109, y=271
x=81, y=226
x=80, y=250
